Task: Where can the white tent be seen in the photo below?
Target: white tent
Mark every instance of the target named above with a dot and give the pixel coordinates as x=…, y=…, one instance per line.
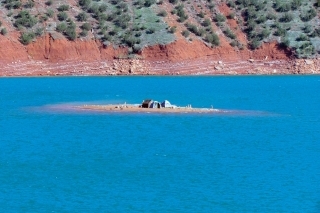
x=166, y=104
x=155, y=104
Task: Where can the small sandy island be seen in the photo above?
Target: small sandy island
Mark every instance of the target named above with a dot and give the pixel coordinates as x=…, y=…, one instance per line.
x=138, y=108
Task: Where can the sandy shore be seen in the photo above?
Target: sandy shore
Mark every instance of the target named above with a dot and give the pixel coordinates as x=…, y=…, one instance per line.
x=136, y=108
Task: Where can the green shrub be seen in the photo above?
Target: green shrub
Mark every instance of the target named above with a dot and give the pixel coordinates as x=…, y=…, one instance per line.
x=94, y=9
x=50, y=13
x=277, y=4
x=39, y=31
x=264, y=34
x=43, y=18
x=252, y=35
x=84, y=3
x=122, y=21
x=4, y=31
x=308, y=15
x=148, y=3
x=231, y=16
x=13, y=5
x=83, y=33
x=220, y=18
x=271, y=16
x=138, y=34
x=261, y=19
x=181, y=13
x=26, y=38
x=285, y=42
x=307, y=29
x=284, y=7
x=231, y=4
x=62, y=16
x=86, y=26
x=82, y=16
x=150, y=31
x=185, y=33
x=233, y=43
x=206, y=22
x=192, y=28
x=244, y=3
x=103, y=8
x=287, y=17
x=201, y=14
x=213, y=39
x=173, y=1
x=173, y=29
x=29, y=4
x=229, y=33
x=25, y=19
x=71, y=34
x=303, y=37
x=162, y=13
x=201, y=32
x=130, y=41
x=49, y=3
x=61, y=27
x=211, y=7
x=315, y=33
x=63, y=7
x=100, y=16
x=254, y=44
x=304, y=50
x=251, y=25
x=259, y=5
x=251, y=13
x=295, y=4
x=280, y=32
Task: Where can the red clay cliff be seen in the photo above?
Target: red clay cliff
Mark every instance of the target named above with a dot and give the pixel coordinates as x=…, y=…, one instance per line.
x=49, y=56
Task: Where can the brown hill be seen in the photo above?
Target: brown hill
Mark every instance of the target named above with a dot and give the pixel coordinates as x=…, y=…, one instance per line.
x=54, y=54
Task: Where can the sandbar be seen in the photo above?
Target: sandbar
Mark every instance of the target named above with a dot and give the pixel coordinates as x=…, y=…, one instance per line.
x=136, y=108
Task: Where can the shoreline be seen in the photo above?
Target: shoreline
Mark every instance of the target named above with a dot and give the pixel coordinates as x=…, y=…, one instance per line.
x=133, y=67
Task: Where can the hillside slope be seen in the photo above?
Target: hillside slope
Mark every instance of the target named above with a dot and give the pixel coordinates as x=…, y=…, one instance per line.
x=158, y=37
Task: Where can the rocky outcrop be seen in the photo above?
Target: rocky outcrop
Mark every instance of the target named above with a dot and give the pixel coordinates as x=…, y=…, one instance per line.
x=306, y=66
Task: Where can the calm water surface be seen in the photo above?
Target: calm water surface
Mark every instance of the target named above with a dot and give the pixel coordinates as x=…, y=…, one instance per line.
x=261, y=155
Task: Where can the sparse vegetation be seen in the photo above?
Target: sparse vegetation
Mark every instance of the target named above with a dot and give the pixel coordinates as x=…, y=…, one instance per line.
x=4, y=31
x=139, y=23
x=63, y=7
x=26, y=38
x=82, y=16
x=185, y=33
x=62, y=16
x=220, y=18
x=213, y=39
x=229, y=33
x=25, y=19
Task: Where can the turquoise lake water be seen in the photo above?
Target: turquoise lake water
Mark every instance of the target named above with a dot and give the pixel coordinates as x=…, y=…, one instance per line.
x=260, y=155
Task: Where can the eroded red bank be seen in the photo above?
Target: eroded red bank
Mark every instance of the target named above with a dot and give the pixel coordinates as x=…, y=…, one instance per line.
x=50, y=57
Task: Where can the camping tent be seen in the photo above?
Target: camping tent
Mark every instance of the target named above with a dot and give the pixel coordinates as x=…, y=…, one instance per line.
x=166, y=104
x=146, y=103
x=155, y=104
